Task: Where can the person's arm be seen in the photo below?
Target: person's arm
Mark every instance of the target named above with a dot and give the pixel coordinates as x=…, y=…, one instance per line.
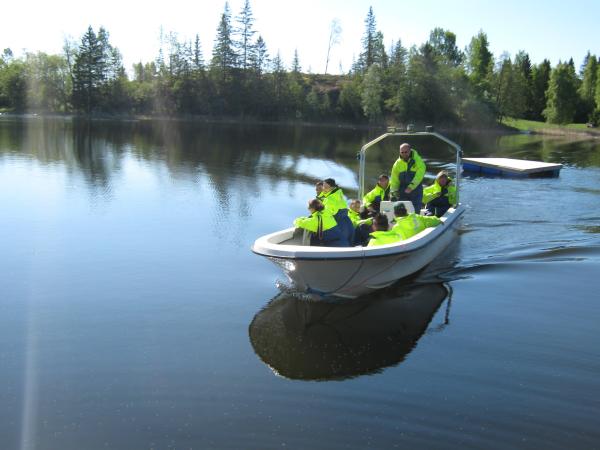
x=308, y=223
x=452, y=197
x=330, y=203
x=369, y=197
x=394, y=177
x=429, y=193
x=430, y=221
x=342, y=202
x=419, y=173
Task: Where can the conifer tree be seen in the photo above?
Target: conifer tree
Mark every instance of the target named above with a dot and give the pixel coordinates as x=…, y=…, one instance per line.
x=224, y=57
x=540, y=77
x=259, y=58
x=87, y=72
x=587, y=90
x=198, y=58
x=244, y=45
x=367, y=56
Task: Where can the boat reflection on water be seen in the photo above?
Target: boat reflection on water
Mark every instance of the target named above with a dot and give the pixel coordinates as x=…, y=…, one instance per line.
x=306, y=340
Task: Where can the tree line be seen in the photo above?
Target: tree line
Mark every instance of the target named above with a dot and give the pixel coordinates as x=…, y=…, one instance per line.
x=435, y=82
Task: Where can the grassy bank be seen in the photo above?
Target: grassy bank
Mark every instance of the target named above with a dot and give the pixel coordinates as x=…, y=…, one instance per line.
x=549, y=128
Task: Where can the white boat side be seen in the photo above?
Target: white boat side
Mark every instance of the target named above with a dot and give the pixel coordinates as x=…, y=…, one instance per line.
x=350, y=272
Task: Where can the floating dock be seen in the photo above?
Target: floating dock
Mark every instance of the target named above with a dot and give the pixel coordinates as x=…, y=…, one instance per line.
x=508, y=167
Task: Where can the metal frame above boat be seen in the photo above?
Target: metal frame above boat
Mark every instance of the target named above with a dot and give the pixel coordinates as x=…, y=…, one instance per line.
x=393, y=131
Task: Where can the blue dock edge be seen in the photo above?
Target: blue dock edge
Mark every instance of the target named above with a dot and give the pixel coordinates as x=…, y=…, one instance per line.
x=499, y=172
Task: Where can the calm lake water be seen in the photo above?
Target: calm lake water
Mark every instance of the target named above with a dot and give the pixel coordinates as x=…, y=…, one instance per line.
x=133, y=314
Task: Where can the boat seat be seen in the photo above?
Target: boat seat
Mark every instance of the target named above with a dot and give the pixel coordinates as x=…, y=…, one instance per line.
x=387, y=208
x=306, y=238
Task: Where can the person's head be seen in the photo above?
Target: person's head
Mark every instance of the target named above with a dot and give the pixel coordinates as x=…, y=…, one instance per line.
x=442, y=178
x=328, y=184
x=383, y=181
x=315, y=205
x=319, y=187
x=355, y=205
x=400, y=209
x=405, y=150
x=380, y=222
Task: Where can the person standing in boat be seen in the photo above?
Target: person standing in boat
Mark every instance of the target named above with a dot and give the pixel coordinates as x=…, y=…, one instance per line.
x=335, y=202
x=321, y=224
x=407, y=225
x=381, y=234
x=440, y=196
x=407, y=177
x=381, y=192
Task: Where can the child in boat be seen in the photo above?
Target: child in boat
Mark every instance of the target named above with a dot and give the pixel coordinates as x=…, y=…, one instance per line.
x=381, y=235
x=321, y=224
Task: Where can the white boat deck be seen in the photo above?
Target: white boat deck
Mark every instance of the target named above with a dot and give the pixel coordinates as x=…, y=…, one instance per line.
x=510, y=167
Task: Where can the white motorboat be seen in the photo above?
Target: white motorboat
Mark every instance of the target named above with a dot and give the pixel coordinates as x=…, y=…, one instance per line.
x=350, y=272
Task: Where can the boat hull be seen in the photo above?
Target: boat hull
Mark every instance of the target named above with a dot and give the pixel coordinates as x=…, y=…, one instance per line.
x=356, y=271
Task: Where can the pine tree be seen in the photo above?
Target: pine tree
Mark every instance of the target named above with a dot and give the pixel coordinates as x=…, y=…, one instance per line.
x=587, y=90
x=367, y=56
x=198, y=58
x=87, y=72
x=524, y=83
x=597, y=96
x=296, y=68
x=224, y=57
x=244, y=45
x=504, y=85
x=540, y=76
x=259, y=59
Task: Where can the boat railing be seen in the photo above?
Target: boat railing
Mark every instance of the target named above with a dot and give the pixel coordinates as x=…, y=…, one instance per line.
x=392, y=132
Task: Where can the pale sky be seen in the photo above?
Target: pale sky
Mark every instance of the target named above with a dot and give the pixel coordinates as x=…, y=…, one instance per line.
x=551, y=29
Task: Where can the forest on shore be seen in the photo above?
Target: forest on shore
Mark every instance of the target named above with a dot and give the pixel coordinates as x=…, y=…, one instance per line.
x=434, y=83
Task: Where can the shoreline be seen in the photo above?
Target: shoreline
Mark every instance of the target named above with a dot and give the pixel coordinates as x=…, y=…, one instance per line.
x=499, y=128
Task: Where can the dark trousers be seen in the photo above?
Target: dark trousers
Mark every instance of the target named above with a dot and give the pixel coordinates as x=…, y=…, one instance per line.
x=438, y=206
x=416, y=197
x=330, y=238
x=345, y=224
x=361, y=234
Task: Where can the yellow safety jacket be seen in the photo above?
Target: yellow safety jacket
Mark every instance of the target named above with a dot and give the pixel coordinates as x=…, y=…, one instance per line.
x=383, y=237
x=334, y=200
x=435, y=190
x=356, y=219
x=378, y=191
x=408, y=226
x=407, y=173
x=318, y=221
